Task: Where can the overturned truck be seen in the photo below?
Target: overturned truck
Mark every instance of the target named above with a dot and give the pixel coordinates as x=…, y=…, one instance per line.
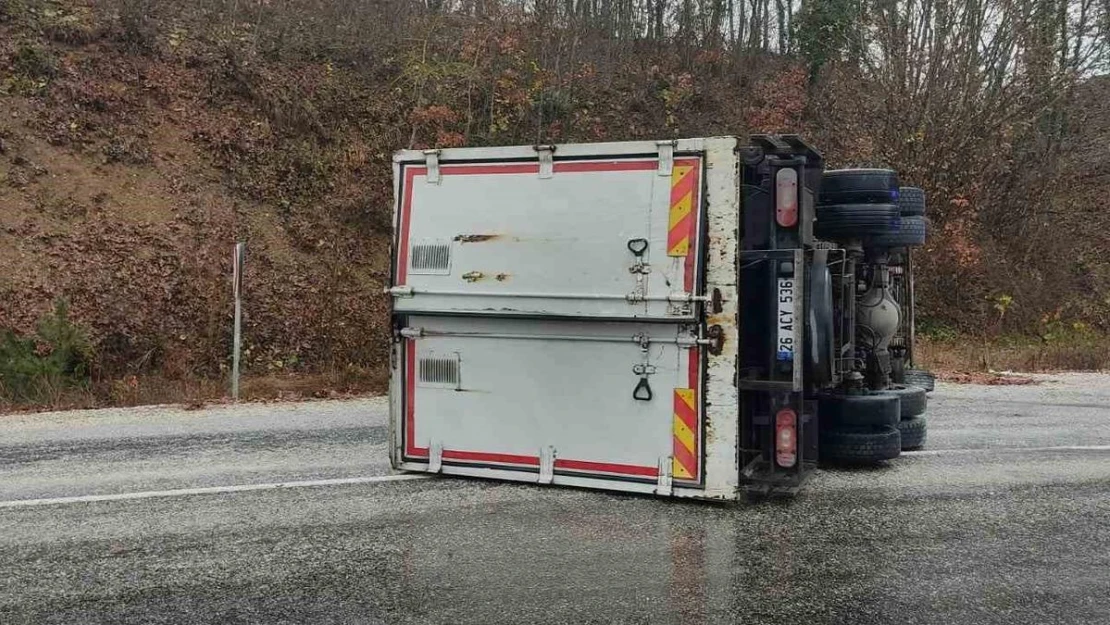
x=693, y=318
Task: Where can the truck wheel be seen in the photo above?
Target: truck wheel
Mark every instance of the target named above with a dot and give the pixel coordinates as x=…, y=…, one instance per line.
x=860, y=445
x=911, y=398
x=858, y=186
x=856, y=221
x=912, y=201
x=852, y=411
x=911, y=233
x=913, y=433
x=920, y=378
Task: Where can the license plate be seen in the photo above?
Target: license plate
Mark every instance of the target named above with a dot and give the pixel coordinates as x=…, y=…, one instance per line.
x=786, y=319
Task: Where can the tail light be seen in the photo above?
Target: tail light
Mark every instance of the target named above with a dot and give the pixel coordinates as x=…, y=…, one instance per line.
x=786, y=198
x=786, y=438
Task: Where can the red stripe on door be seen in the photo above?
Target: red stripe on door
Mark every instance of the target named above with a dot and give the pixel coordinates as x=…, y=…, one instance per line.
x=606, y=467
x=406, y=218
x=410, y=401
x=411, y=172
x=483, y=456
x=592, y=166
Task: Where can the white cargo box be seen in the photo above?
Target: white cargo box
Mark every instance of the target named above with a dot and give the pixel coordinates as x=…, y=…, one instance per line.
x=567, y=315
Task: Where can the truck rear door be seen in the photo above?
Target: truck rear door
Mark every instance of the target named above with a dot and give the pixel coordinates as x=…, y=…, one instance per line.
x=550, y=318
x=582, y=238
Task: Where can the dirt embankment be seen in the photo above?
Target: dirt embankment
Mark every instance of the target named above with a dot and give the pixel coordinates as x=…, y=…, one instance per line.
x=125, y=178
x=140, y=139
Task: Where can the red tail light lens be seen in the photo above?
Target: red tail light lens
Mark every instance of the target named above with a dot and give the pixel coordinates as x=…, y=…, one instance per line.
x=786, y=438
x=786, y=198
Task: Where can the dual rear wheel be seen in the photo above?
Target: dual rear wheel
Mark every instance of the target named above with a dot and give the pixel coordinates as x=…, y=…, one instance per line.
x=869, y=206
x=870, y=427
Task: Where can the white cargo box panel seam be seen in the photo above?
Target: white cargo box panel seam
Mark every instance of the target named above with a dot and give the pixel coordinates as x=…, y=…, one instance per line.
x=604, y=238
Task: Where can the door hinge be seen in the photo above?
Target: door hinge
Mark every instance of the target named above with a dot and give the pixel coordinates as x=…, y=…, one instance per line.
x=547, y=160
x=666, y=157
x=431, y=161
x=665, y=484
x=716, y=339
x=435, y=457
x=400, y=291
x=547, y=465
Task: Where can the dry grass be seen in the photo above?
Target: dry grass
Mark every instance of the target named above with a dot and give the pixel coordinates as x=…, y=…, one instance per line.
x=198, y=392
x=957, y=360
x=970, y=355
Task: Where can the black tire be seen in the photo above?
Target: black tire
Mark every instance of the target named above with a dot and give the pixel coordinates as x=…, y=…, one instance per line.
x=852, y=411
x=911, y=201
x=911, y=399
x=858, y=186
x=913, y=432
x=856, y=221
x=910, y=233
x=920, y=378
x=861, y=445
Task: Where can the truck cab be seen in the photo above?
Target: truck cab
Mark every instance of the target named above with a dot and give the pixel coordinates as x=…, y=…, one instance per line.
x=685, y=318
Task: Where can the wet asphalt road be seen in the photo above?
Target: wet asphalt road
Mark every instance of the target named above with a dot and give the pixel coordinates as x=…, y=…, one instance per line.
x=1005, y=518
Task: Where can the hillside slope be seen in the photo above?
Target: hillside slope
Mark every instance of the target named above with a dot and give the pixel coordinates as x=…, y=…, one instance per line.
x=127, y=176
x=140, y=139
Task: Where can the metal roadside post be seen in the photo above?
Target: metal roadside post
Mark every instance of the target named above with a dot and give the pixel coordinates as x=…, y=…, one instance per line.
x=238, y=257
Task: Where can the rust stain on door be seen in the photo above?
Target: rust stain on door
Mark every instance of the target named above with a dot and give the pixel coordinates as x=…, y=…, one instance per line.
x=476, y=238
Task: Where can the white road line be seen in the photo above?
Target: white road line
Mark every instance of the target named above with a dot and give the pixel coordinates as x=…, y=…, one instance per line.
x=946, y=452
x=211, y=490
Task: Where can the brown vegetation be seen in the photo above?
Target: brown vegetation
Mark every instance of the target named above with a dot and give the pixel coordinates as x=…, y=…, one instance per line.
x=140, y=138
x=969, y=355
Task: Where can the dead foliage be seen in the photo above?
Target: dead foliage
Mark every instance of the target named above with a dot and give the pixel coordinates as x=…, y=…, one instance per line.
x=987, y=378
x=148, y=136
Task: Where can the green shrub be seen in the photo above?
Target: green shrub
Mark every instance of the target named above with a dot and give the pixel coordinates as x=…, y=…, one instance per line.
x=72, y=29
x=56, y=357
x=34, y=67
x=33, y=61
x=11, y=9
x=936, y=329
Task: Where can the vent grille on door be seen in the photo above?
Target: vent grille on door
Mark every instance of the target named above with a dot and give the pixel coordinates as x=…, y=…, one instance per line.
x=439, y=370
x=432, y=257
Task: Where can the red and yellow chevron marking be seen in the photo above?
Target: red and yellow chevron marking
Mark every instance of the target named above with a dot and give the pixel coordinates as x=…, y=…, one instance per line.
x=685, y=463
x=680, y=226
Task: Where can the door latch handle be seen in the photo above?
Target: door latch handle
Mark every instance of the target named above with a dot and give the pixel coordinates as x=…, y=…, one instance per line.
x=637, y=246
x=716, y=337
x=642, y=392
